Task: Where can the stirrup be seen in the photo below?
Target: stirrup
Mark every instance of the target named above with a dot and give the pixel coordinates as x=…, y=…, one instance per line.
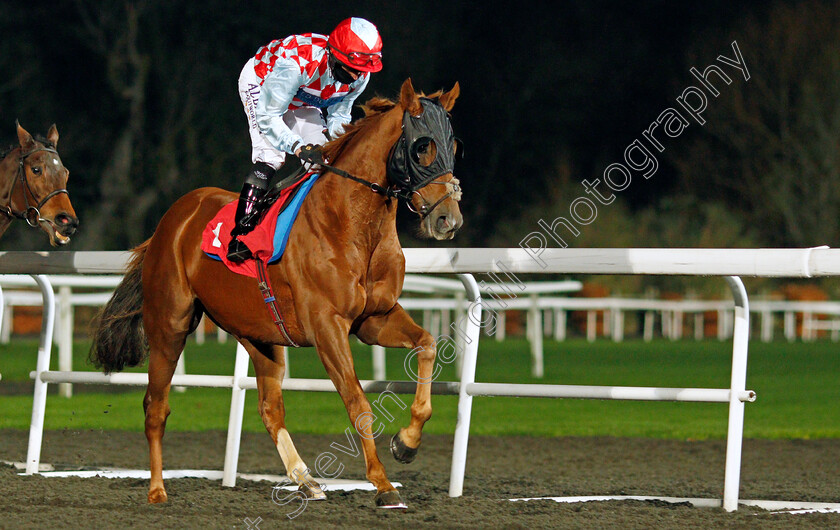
x=238, y=251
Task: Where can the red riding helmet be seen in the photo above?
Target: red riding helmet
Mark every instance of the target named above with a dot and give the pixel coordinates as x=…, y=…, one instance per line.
x=356, y=43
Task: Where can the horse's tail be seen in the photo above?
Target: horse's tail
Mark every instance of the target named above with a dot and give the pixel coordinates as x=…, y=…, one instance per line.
x=119, y=339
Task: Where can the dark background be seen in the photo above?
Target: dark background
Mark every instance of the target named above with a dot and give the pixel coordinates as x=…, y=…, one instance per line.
x=144, y=95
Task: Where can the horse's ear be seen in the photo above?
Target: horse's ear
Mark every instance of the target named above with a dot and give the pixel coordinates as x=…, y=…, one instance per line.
x=24, y=137
x=409, y=99
x=447, y=100
x=52, y=134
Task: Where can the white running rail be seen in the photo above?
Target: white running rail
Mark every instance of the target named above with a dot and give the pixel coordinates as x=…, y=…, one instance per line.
x=729, y=263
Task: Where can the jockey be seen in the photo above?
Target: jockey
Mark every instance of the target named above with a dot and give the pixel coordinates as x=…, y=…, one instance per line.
x=298, y=93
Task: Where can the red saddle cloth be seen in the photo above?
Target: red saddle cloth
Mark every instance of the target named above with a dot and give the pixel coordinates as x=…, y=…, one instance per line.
x=216, y=236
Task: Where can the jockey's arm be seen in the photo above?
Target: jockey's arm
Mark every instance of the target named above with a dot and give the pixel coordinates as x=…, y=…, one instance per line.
x=278, y=90
x=339, y=115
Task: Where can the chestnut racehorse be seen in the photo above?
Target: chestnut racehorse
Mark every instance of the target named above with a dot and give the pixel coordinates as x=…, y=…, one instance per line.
x=341, y=274
x=33, y=187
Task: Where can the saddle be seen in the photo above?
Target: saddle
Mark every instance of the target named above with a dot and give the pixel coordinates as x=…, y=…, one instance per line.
x=289, y=175
x=276, y=213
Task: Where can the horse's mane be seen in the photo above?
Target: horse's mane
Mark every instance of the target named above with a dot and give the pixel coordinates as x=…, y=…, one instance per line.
x=38, y=138
x=374, y=108
x=5, y=152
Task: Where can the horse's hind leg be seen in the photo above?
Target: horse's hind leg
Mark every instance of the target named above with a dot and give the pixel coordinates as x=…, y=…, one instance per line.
x=269, y=366
x=156, y=406
x=169, y=315
x=396, y=329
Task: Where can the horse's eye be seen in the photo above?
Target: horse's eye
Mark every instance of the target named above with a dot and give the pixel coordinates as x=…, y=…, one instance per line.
x=36, y=170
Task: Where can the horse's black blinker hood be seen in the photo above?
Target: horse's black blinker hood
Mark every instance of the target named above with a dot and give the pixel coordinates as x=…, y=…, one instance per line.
x=404, y=168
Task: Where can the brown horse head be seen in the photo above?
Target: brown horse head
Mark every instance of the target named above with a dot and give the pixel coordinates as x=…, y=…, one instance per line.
x=437, y=201
x=34, y=182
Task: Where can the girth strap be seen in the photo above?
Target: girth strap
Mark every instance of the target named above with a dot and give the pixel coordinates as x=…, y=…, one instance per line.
x=271, y=302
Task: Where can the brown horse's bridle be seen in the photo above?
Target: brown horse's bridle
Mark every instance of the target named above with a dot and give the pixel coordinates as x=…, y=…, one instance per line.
x=425, y=209
x=32, y=214
x=403, y=169
x=399, y=193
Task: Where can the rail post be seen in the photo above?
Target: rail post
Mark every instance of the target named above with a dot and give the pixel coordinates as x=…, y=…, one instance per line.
x=467, y=375
x=39, y=400
x=735, y=432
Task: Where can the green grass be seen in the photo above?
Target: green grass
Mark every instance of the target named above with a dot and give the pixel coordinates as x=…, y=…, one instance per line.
x=798, y=394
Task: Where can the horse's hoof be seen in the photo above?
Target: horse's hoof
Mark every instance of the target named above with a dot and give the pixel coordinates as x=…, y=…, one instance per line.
x=312, y=493
x=402, y=452
x=390, y=499
x=157, y=496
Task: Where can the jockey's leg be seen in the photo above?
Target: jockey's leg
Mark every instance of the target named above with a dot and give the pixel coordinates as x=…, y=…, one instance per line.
x=309, y=124
x=256, y=184
x=266, y=160
x=306, y=122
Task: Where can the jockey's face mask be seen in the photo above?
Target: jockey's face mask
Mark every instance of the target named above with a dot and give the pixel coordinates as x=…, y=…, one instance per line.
x=404, y=168
x=341, y=72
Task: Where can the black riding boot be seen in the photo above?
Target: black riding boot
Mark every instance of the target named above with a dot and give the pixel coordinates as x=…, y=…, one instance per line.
x=246, y=210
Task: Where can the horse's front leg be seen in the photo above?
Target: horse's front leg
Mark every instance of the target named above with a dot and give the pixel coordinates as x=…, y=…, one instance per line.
x=396, y=329
x=331, y=342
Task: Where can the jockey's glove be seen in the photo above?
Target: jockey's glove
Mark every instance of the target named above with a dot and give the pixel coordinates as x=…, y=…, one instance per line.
x=311, y=153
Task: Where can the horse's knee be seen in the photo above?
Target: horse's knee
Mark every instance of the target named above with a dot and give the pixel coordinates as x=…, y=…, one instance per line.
x=427, y=348
x=427, y=354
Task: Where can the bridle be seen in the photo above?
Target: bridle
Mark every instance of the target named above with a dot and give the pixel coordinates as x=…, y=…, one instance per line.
x=425, y=209
x=405, y=174
x=31, y=214
x=398, y=193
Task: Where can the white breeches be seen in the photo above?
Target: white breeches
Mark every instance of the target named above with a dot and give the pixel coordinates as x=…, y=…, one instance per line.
x=306, y=122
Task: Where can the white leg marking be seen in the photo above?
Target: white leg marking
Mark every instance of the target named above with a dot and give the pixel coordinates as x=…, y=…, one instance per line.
x=295, y=468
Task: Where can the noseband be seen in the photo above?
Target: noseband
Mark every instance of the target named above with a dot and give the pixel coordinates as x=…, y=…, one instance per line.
x=32, y=214
x=404, y=171
x=425, y=209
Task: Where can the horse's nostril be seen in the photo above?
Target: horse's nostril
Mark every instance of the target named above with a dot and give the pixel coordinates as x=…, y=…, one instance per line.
x=443, y=223
x=66, y=221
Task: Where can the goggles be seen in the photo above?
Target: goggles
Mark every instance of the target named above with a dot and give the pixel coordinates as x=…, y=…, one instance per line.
x=359, y=59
